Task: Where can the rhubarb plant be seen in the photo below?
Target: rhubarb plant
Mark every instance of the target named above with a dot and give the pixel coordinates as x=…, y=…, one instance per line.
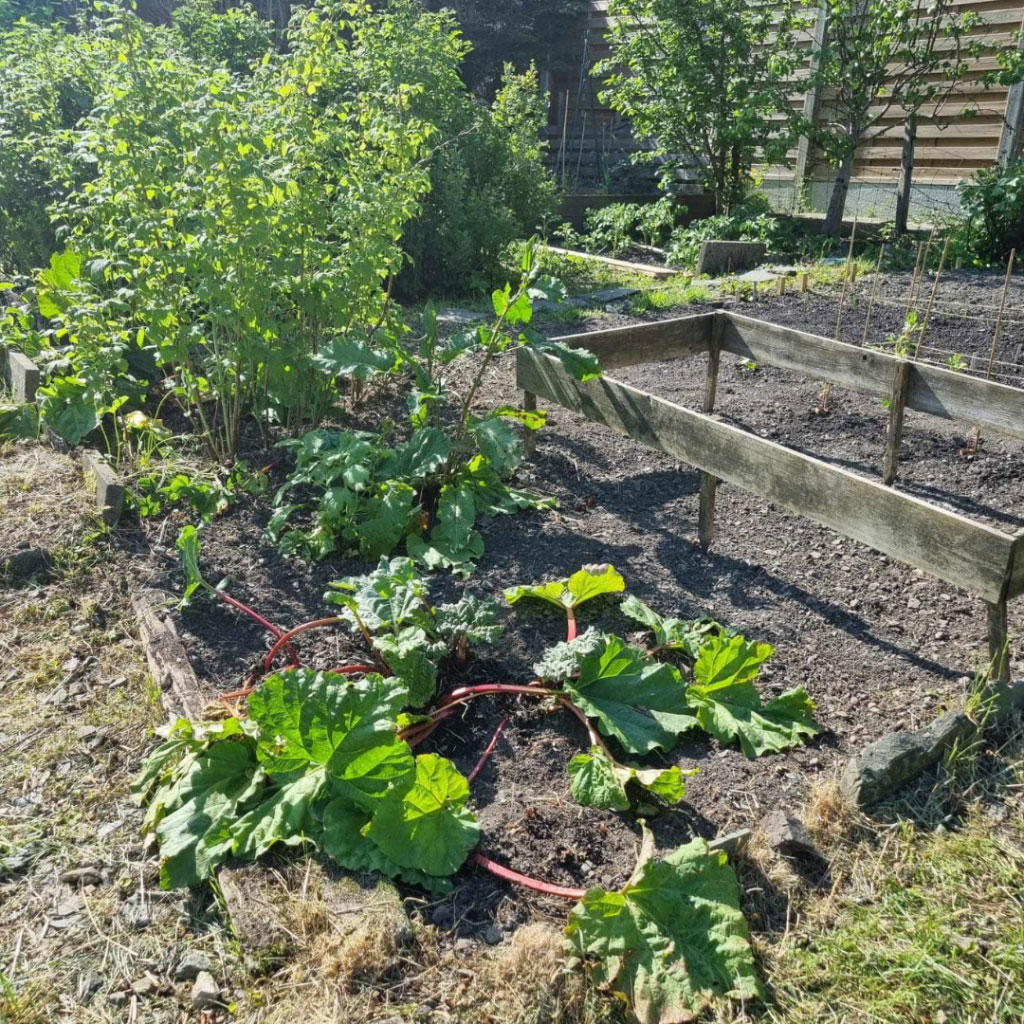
x=327, y=760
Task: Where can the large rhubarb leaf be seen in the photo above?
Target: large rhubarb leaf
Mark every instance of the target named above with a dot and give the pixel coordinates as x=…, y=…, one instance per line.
x=591, y=581
x=686, y=635
x=309, y=718
x=562, y=660
x=639, y=701
x=672, y=940
x=469, y=619
x=598, y=781
x=729, y=707
x=384, y=518
x=284, y=817
x=427, y=827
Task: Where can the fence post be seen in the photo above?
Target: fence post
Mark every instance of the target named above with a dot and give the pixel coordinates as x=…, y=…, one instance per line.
x=998, y=642
x=708, y=482
x=897, y=408
x=530, y=437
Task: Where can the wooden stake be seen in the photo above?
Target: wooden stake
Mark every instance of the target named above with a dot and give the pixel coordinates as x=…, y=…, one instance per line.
x=846, y=280
x=530, y=437
x=874, y=293
x=897, y=408
x=805, y=282
x=708, y=482
x=931, y=298
x=1002, y=309
x=998, y=643
x=780, y=286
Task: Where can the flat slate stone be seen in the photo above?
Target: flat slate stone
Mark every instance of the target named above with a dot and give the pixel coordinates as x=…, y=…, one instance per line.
x=454, y=317
x=719, y=257
x=602, y=298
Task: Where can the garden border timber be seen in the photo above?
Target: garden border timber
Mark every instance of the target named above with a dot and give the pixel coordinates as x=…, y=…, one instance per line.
x=981, y=559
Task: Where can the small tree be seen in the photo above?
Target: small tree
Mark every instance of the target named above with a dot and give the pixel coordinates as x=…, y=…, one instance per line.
x=705, y=81
x=878, y=56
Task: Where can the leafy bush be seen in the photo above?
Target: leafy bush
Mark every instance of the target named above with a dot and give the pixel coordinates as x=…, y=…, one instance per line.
x=369, y=493
x=993, y=205
x=614, y=229
x=747, y=223
x=234, y=40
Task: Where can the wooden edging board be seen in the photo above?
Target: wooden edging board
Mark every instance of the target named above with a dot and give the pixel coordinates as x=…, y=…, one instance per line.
x=658, y=273
x=647, y=343
x=931, y=389
x=967, y=554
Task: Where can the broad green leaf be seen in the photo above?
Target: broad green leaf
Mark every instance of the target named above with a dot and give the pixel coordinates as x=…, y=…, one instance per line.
x=547, y=288
x=284, y=817
x=639, y=701
x=492, y=496
x=387, y=598
x=427, y=827
x=730, y=660
x=590, y=582
x=343, y=839
x=188, y=547
x=348, y=357
x=471, y=618
x=19, y=420
x=671, y=941
x=180, y=738
x=598, y=781
x=499, y=444
x=423, y=455
x=411, y=656
x=453, y=544
x=384, y=518
x=309, y=718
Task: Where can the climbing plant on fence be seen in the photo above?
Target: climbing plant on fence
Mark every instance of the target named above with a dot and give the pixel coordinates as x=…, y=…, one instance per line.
x=326, y=758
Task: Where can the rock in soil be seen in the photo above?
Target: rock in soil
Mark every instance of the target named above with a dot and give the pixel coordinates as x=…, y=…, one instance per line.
x=205, y=991
x=787, y=834
x=193, y=963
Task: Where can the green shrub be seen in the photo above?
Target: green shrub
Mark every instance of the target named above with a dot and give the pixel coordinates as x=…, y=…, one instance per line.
x=234, y=40
x=749, y=222
x=993, y=205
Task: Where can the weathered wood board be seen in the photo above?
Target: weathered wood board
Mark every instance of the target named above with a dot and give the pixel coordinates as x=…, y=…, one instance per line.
x=647, y=343
x=961, y=552
x=1016, y=585
x=932, y=389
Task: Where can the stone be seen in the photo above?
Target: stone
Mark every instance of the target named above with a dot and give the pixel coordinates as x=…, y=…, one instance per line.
x=884, y=766
x=147, y=985
x=606, y=296
x=117, y=999
x=87, y=874
x=731, y=843
x=205, y=991
x=787, y=834
x=191, y=965
x=719, y=257
x=108, y=485
x=23, y=376
x=443, y=916
x=25, y=564
x=492, y=935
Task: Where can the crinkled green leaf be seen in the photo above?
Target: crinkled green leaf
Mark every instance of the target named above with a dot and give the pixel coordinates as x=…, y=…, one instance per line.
x=387, y=598
x=598, y=781
x=471, y=618
x=423, y=455
x=309, y=718
x=639, y=701
x=562, y=660
x=671, y=941
x=412, y=656
x=685, y=635
x=19, y=420
x=453, y=544
x=590, y=582
x=180, y=739
x=493, y=496
x=427, y=827
x=348, y=357
x=729, y=707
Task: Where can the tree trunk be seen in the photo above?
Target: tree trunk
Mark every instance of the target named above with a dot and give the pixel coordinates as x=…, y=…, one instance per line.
x=837, y=201
x=906, y=174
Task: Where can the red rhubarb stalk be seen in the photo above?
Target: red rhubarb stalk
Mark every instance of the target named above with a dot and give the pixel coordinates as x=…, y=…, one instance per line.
x=464, y=693
x=347, y=670
x=570, y=614
x=269, y=626
x=487, y=753
x=282, y=640
x=530, y=883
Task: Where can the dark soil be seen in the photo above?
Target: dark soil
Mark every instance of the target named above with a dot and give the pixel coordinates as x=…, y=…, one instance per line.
x=879, y=646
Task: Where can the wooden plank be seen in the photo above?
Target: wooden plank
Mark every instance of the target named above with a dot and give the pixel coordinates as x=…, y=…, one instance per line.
x=659, y=273
x=647, y=343
x=998, y=643
x=932, y=389
x=1015, y=587
x=966, y=554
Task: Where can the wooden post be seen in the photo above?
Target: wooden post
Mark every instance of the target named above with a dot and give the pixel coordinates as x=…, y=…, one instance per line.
x=998, y=643
x=805, y=280
x=780, y=286
x=708, y=482
x=897, y=408
x=530, y=437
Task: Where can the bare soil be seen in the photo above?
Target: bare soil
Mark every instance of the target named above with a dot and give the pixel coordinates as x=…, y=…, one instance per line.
x=879, y=646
